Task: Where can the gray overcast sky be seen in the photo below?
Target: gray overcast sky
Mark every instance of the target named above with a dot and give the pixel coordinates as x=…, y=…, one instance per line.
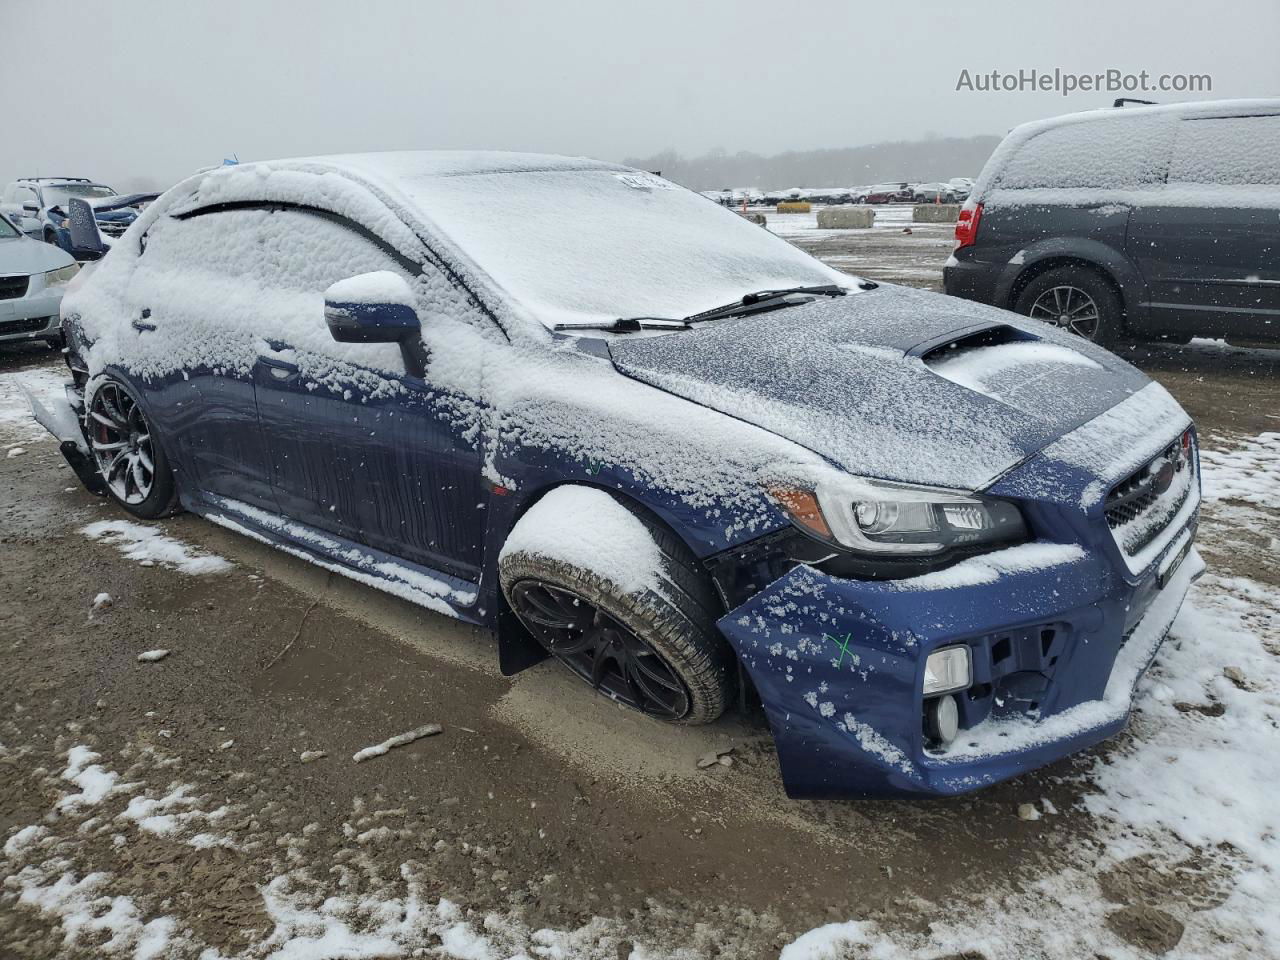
x=132, y=91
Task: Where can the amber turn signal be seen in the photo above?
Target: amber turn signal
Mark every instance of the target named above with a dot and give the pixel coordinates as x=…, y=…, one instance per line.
x=802, y=507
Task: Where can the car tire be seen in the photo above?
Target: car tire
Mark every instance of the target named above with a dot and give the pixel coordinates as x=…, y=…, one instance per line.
x=127, y=453
x=51, y=237
x=675, y=625
x=1077, y=299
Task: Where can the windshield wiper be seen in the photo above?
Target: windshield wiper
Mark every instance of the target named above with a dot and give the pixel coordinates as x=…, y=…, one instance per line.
x=763, y=300
x=628, y=325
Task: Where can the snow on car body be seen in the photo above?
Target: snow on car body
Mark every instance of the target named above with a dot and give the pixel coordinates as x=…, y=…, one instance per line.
x=902, y=516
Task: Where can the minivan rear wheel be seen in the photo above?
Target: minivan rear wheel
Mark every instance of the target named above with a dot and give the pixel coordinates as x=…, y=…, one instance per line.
x=1075, y=299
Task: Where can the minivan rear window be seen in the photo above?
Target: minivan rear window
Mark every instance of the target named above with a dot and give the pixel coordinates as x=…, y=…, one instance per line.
x=1227, y=150
x=1120, y=152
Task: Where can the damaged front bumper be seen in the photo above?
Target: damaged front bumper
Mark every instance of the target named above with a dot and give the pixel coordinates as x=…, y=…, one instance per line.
x=62, y=417
x=1056, y=650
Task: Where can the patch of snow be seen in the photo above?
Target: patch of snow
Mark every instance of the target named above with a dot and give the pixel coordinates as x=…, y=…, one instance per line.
x=990, y=567
x=399, y=740
x=1250, y=472
x=838, y=941
x=16, y=388
x=141, y=543
x=23, y=838
x=96, y=783
x=588, y=529
x=151, y=656
x=1002, y=370
x=377, y=286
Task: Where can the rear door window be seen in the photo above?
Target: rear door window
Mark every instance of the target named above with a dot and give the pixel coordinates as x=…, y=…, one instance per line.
x=1231, y=151
x=1116, y=153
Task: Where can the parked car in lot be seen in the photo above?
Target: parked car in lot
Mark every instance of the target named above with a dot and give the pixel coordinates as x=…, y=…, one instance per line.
x=622, y=426
x=886, y=193
x=1136, y=222
x=38, y=205
x=961, y=187
x=933, y=193
x=33, y=276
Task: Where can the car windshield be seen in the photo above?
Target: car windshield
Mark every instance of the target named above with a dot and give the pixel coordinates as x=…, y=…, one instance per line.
x=7, y=231
x=589, y=246
x=57, y=196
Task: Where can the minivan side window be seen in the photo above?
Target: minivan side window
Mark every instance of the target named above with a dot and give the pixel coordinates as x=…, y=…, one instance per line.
x=1227, y=150
x=1119, y=153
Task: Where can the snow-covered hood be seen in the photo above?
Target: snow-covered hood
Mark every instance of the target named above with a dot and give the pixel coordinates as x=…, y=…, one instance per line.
x=22, y=255
x=872, y=382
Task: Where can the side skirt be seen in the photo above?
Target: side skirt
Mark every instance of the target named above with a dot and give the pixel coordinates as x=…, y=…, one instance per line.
x=425, y=587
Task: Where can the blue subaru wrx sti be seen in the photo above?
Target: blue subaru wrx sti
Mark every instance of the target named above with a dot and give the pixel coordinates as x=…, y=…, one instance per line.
x=623, y=426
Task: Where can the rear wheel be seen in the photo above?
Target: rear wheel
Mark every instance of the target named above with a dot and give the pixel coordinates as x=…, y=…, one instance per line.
x=128, y=455
x=655, y=650
x=1076, y=299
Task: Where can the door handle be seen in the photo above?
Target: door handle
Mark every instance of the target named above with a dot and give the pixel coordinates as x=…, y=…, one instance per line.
x=279, y=369
x=140, y=324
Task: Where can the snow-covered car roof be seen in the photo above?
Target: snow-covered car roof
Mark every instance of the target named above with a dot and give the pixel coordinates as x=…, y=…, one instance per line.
x=564, y=240
x=1118, y=152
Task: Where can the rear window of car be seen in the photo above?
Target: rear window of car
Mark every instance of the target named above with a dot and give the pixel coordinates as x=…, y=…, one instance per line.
x=1113, y=153
x=1227, y=150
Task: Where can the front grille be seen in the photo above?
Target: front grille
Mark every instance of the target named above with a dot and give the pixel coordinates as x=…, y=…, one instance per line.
x=11, y=288
x=28, y=325
x=112, y=228
x=1140, y=507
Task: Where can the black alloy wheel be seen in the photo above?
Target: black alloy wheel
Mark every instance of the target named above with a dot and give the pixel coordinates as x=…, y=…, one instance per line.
x=601, y=649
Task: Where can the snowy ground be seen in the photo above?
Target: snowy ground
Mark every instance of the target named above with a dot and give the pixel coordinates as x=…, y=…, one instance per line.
x=206, y=803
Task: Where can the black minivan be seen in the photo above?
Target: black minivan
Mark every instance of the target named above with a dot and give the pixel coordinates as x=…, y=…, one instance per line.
x=1147, y=222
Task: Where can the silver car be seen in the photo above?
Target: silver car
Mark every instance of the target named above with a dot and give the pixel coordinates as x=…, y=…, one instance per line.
x=33, y=276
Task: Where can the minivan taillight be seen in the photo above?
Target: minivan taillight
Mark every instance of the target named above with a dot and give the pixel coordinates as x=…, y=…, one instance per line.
x=967, y=225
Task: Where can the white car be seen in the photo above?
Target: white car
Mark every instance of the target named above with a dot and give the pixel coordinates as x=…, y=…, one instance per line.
x=33, y=276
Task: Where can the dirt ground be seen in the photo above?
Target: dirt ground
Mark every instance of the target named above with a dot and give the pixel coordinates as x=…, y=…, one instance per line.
x=538, y=800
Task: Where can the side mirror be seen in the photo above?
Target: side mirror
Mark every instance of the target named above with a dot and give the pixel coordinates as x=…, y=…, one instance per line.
x=86, y=241
x=376, y=308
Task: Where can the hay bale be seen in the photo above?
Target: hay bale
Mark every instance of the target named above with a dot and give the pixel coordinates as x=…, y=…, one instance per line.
x=794, y=206
x=846, y=217
x=935, y=212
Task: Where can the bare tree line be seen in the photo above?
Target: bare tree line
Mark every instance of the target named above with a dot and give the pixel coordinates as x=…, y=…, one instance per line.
x=915, y=160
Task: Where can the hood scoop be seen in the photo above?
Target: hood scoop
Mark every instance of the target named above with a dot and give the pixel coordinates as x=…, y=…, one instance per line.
x=1005, y=364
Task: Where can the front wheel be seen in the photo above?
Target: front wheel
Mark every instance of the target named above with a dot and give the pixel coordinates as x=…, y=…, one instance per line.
x=655, y=648
x=127, y=453
x=1078, y=300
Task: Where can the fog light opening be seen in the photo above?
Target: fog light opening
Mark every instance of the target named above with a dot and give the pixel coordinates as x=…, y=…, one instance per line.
x=942, y=719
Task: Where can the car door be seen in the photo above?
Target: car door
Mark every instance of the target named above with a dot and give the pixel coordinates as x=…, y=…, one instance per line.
x=358, y=447
x=24, y=211
x=193, y=302
x=1209, y=249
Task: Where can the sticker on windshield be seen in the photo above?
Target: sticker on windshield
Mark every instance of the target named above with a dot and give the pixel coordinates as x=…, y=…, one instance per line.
x=641, y=181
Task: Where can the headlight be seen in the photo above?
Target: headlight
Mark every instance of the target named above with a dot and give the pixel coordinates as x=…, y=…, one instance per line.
x=876, y=517
x=62, y=274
